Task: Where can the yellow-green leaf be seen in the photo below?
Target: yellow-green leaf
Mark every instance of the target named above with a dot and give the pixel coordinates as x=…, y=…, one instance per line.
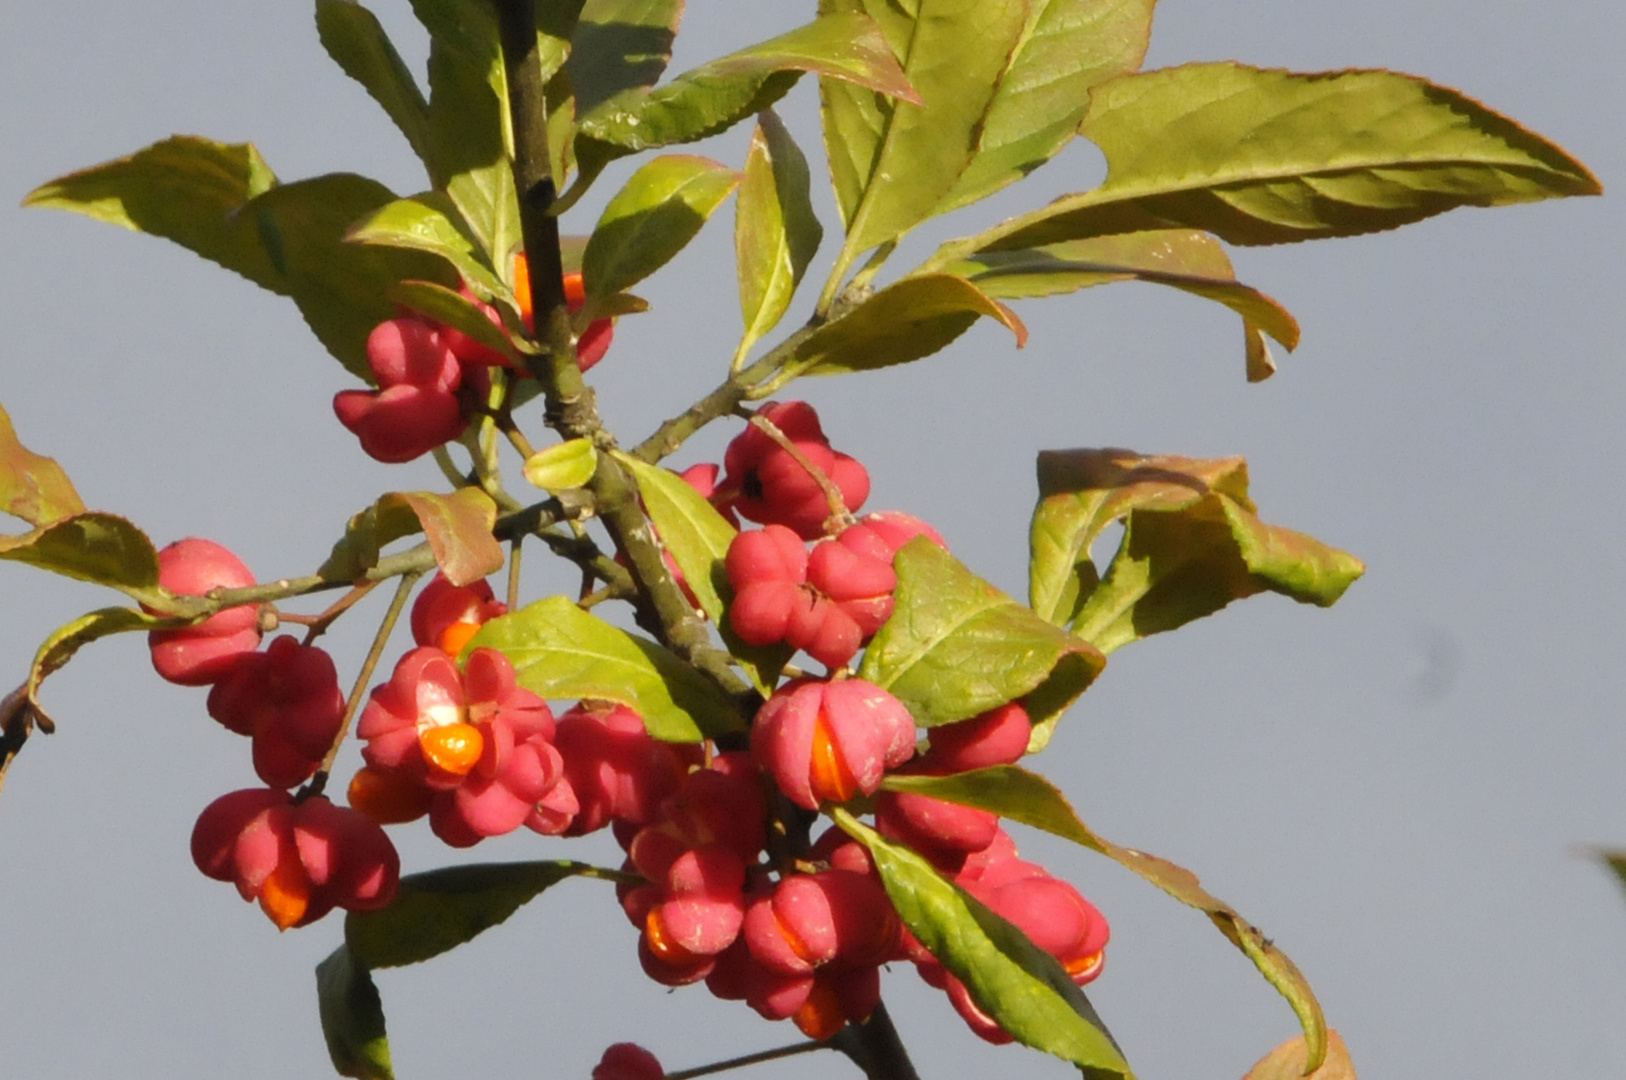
x=775, y=231
x=33, y=487
x=568, y=465
x=457, y=526
x=651, y=219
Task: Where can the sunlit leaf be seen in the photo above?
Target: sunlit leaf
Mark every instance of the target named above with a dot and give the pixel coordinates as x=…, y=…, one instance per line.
x=1011, y=979
x=468, y=89
x=1187, y=260
x=55, y=652
x=561, y=652
x=436, y=911
x=955, y=646
x=1191, y=545
x=100, y=548
x=620, y=44
x=432, y=223
x=1066, y=47
x=356, y=41
x=893, y=161
x=33, y=487
x=569, y=464
x=1266, y=157
x=1019, y=795
x=651, y=219
x=352, y=1018
x=775, y=231
x=451, y=308
x=457, y=526
x=1290, y=1061
x=905, y=321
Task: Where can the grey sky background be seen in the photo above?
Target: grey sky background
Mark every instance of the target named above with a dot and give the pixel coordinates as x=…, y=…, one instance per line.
x=1400, y=790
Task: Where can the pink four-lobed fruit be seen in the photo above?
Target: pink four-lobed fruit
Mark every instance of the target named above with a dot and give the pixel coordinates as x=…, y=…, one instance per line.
x=764, y=482
x=829, y=741
x=416, y=406
x=288, y=700
x=200, y=655
x=628, y=1061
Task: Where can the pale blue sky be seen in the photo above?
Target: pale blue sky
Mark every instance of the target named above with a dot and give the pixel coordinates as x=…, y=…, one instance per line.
x=1399, y=790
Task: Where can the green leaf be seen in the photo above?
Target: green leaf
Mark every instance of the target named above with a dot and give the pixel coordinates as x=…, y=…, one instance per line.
x=352, y=1018
x=775, y=231
x=55, y=652
x=468, y=88
x=431, y=222
x=100, y=548
x=716, y=96
x=33, y=487
x=568, y=465
x=1017, y=794
x=451, y=308
x=1616, y=861
x=620, y=44
x=184, y=189
x=561, y=652
x=1066, y=47
x=1011, y=979
x=1187, y=260
x=437, y=911
x=955, y=646
x=356, y=41
x=907, y=320
x=1290, y=1061
x=1191, y=545
x=341, y=289
x=1267, y=157
x=457, y=526
x=893, y=162
x=651, y=219
x=697, y=537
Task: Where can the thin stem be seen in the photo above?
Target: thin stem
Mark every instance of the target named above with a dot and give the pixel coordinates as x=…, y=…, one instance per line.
x=318, y=626
x=748, y=1059
x=832, y=494
x=363, y=679
x=515, y=550
x=448, y=467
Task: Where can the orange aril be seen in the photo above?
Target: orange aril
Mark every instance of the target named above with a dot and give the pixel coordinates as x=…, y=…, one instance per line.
x=661, y=943
x=1084, y=968
x=387, y=798
x=451, y=749
x=286, y=894
x=828, y=774
x=821, y=1015
x=456, y=636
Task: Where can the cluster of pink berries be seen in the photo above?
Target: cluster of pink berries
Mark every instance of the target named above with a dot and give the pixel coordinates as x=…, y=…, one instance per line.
x=727, y=890
x=430, y=376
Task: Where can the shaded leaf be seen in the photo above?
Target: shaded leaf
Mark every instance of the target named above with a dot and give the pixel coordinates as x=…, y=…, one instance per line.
x=1191, y=545
x=468, y=89
x=905, y=321
x=356, y=41
x=437, y=911
x=775, y=230
x=651, y=219
x=55, y=652
x=432, y=223
x=100, y=548
x=1022, y=796
x=955, y=646
x=1616, y=861
x=1011, y=979
x=33, y=487
x=1066, y=47
x=451, y=308
x=568, y=465
x=352, y=1018
x=1187, y=260
x=1290, y=1061
x=184, y=189
x=457, y=526
x=561, y=652
x=620, y=44
x=1266, y=157
x=893, y=162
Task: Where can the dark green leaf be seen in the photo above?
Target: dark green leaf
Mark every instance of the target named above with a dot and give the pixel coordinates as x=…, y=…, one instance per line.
x=33, y=487
x=1017, y=794
x=1066, y=47
x=775, y=231
x=651, y=219
x=561, y=652
x=955, y=646
x=1191, y=261
x=183, y=189
x=905, y=321
x=354, y=39
x=1616, y=861
x=352, y=1018
x=1011, y=979
x=437, y=911
x=1266, y=157
x=468, y=90
x=457, y=526
x=99, y=548
x=894, y=161
x=1191, y=544
x=620, y=44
